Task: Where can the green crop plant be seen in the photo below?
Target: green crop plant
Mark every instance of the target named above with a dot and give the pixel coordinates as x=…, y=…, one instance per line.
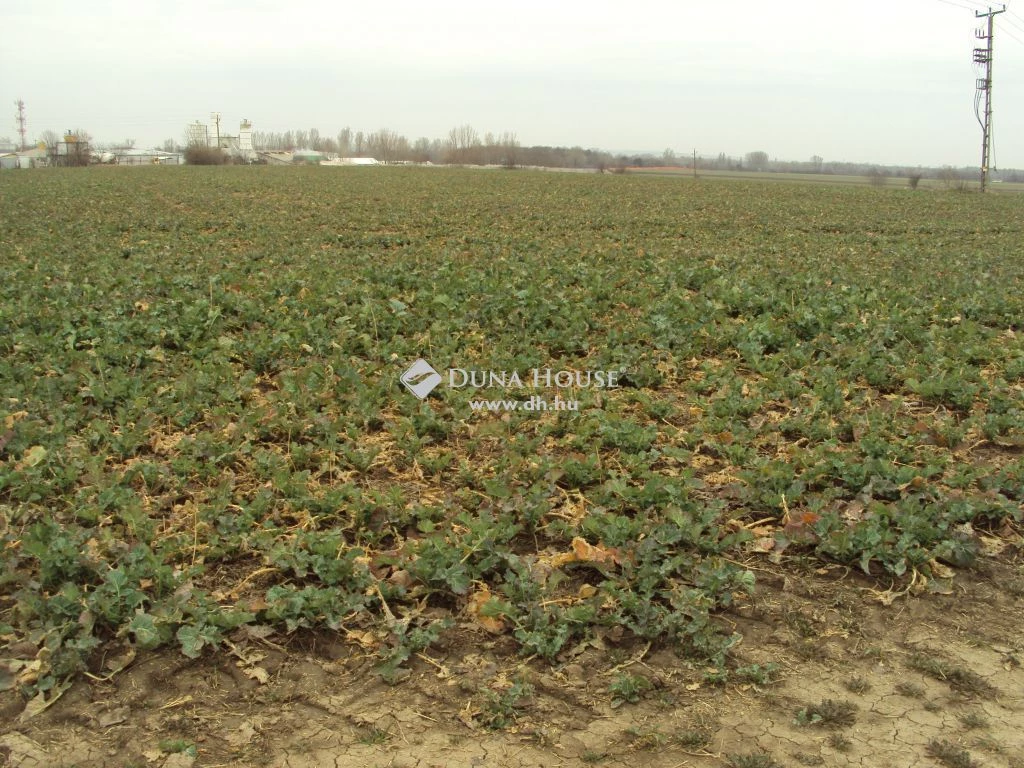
x=203, y=424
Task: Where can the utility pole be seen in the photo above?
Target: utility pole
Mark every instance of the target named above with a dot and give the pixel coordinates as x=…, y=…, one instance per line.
x=984, y=86
x=20, y=104
x=215, y=116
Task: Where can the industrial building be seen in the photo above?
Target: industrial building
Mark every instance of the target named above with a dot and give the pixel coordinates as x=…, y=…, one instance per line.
x=351, y=161
x=142, y=157
x=238, y=147
x=29, y=158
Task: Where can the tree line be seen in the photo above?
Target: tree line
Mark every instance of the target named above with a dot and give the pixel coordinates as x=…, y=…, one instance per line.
x=463, y=145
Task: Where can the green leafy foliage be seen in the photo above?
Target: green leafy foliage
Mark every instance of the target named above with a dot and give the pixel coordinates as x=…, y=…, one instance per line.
x=628, y=689
x=202, y=424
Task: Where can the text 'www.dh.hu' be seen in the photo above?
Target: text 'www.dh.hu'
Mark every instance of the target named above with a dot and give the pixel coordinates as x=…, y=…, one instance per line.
x=535, y=403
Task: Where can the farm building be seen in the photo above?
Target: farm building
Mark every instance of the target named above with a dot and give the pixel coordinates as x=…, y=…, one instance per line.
x=351, y=161
x=276, y=158
x=240, y=146
x=29, y=158
x=308, y=156
x=143, y=157
x=294, y=157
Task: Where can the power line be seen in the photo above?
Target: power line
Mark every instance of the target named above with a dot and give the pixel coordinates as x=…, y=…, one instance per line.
x=1008, y=32
x=958, y=5
x=980, y=6
x=1015, y=35
x=1016, y=24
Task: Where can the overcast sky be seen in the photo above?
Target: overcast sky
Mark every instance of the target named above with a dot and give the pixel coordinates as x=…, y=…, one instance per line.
x=888, y=81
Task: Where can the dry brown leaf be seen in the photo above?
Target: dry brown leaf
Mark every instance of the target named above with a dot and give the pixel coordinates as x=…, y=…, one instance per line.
x=113, y=717
x=887, y=598
x=991, y=546
x=401, y=578
x=256, y=603
x=259, y=674
x=255, y=631
x=11, y=418
x=30, y=672
x=40, y=703
x=557, y=561
x=940, y=586
x=854, y=510
x=366, y=639
x=588, y=553
x=493, y=624
x=244, y=734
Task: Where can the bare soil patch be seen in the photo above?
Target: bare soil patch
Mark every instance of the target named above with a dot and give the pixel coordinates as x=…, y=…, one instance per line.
x=932, y=680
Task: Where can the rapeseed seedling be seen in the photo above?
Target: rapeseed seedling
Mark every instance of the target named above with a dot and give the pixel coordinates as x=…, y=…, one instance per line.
x=213, y=433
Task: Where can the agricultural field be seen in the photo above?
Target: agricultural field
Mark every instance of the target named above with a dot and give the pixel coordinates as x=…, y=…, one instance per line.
x=231, y=536
x=954, y=183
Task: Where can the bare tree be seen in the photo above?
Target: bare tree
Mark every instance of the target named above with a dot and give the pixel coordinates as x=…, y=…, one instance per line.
x=509, y=145
x=488, y=153
x=463, y=144
x=421, y=150
x=452, y=145
x=402, y=148
x=576, y=157
x=383, y=145
x=949, y=176
x=169, y=146
x=344, y=141
x=816, y=162
x=757, y=161
x=877, y=177
x=50, y=138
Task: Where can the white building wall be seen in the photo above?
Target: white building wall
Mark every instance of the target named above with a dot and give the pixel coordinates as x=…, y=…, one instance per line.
x=245, y=146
